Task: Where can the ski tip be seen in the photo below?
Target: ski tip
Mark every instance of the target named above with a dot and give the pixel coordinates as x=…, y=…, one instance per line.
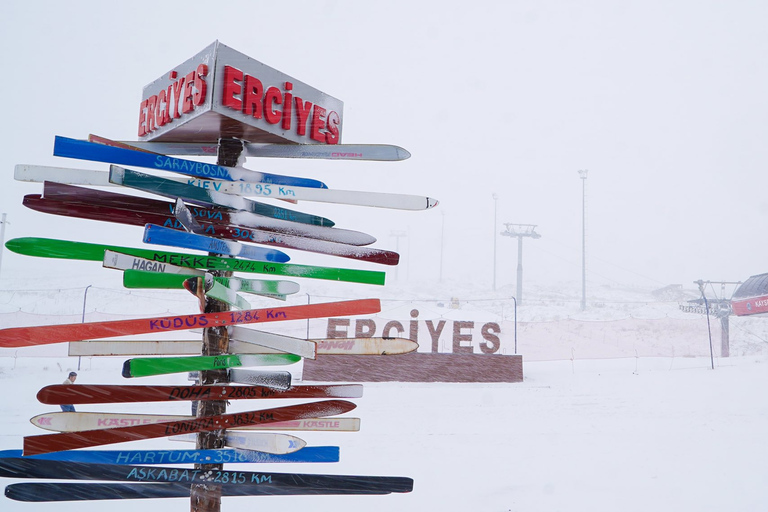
x=277, y=256
x=402, y=154
x=127, y=369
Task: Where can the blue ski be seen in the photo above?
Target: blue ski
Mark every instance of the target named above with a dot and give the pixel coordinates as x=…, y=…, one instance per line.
x=83, y=150
x=159, y=235
x=306, y=454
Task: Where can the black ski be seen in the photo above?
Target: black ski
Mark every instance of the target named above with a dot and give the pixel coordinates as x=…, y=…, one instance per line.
x=35, y=468
x=55, y=491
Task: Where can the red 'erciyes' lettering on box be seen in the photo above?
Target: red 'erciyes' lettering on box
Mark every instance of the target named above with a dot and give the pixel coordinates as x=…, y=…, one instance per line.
x=181, y=97
x=247, y=94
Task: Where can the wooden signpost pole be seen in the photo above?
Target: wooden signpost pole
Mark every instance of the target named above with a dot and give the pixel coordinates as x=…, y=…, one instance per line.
x=207, y=497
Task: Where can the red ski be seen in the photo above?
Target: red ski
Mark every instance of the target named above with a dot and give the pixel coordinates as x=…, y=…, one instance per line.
x=42, y=335
x=47, y=443
x=112, y=394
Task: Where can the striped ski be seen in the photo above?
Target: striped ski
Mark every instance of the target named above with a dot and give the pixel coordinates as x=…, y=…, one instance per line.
x=79, y=421
x=158, y=235
x=119, y=393
x=53, y=248
x=41, y=335
x=83, y=150
x=149, y=366
x=378, y=152
x=323, y=454
x=46, y=443
x=173, y=189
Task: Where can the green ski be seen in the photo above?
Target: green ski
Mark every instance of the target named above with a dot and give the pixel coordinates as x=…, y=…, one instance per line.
x=53, y=248
x=148, y=366
x=148, y=279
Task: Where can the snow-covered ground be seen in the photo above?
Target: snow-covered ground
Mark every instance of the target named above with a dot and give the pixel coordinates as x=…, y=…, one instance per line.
x=598, y=434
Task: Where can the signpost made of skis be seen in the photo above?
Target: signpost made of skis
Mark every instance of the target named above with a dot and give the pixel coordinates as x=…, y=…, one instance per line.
x=218, y=103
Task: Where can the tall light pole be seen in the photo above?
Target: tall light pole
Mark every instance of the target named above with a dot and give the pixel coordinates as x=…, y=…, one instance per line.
x=495, y=204
x=583, y=176
x=519, y=231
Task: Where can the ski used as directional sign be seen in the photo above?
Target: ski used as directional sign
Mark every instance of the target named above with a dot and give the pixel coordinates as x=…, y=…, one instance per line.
x=322, y=454
x=53, y=248
x=119, y=393
x=277, y=380
x=83, y=150
x=46, y=443
x=149, y=366
x=79, y=421
x=267, y=442
x=380, y=152
x=319, y=195
x=59, y=470
x=304, y=348
x=218, y=291
x=173, y=189
x=187, y=218
x=326, y=347
x=41, y=335
x=365, y=346
x=41, y=173
x=61, y=199
x=306, y=242
x=159, y=235
x=171, y=277
x=94, y=491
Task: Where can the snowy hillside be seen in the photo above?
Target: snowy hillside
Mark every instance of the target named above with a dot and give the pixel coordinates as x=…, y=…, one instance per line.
x=635, y=433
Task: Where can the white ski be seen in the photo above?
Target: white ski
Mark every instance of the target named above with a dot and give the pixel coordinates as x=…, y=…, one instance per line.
x=40, y=173
x=335, y=346
x=321, y=195
x=266, y=442
x=120, y=261
x=298, y=346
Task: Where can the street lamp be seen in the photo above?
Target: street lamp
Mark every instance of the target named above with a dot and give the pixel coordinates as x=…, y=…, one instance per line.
x=583, y=176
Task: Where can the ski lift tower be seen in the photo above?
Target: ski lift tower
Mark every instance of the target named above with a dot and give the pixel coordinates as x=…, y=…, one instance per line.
x=520, y=231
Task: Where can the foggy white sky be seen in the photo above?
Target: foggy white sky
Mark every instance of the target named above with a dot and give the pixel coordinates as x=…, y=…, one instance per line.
x=663, y=102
